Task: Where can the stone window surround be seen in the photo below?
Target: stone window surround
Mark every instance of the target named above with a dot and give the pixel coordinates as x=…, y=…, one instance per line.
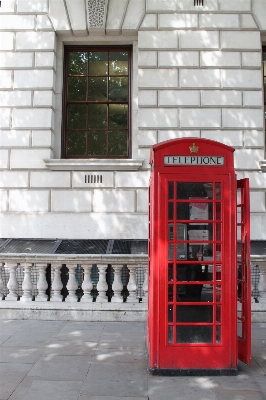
x=90, y=164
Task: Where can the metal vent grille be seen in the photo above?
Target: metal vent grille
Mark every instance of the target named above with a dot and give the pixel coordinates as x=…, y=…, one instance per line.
x=130, y=247
x=30, y=246
x=198, y=2
x=82, y=247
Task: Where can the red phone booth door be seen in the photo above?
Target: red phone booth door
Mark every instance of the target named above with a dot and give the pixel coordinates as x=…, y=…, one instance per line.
x=198, y=289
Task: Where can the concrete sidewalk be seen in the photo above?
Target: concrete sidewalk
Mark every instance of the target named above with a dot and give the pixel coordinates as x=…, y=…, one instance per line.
x=58, y=360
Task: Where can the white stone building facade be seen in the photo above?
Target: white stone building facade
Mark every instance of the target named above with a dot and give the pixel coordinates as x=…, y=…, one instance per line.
x=197, y=71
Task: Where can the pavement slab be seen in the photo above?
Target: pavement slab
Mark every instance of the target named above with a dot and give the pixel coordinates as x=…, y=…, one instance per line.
x=12, y=374
x=55, y=390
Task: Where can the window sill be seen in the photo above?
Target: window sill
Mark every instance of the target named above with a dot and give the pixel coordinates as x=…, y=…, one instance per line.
x=263, y=165
x=93, y=164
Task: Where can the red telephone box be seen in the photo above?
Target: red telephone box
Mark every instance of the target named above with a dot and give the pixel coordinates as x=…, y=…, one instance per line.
x=199, y=287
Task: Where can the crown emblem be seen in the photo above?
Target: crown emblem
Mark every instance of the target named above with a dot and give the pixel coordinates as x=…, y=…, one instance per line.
x=194, y=148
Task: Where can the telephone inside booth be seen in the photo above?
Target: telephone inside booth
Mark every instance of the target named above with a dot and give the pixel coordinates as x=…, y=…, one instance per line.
x=193, y=281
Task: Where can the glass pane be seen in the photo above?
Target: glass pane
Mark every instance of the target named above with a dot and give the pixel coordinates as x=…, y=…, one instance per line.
x=218, y=313
x=181, y=232
x=170, y=210
x=118, y=115
x=218, y=293
x=185, y=190
x=97, y=89
x=77, y=63
x=240, y=329
x=98, y=63
x=76, y=143
x=189, y=273
x=182, y=211
x=170, y=334
x=218, y=211
x=194, y=293
x=170, y=272
x=194, y=334
x=77, y=89
x=170, y=252
x=218, y=190
x=97, y=115
x=97, y=143
x=181, y=251
x=199, y=252
x=117, y=143
x=200, y=211
x=171, y=231
x=118, y=64
x=218, y=231
x=218, y=334
x=170, y=293
x=208, y=272
x=218, y=252
x=194, y=314
x=218, y=272
x=76, y=116
x=170, y=190
x=118, y=89
x=170, y=314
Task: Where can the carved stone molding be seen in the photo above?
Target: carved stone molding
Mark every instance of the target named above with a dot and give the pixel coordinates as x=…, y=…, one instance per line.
x=96, y=15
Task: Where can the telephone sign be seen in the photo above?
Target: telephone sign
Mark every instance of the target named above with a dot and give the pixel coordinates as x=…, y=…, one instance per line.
x=197, y=321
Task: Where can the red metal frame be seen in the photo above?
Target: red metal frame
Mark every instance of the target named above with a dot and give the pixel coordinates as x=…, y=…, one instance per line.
x=164, y=356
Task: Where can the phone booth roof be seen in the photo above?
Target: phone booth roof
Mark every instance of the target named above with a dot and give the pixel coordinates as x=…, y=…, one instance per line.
x=188, y=152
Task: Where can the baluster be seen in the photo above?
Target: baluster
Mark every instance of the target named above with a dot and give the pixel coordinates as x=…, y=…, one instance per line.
x=117, y=284
x=26, y=284
x=71, y=284
x=56, y=284
x=42, y=284
x=87, y=284
x=145, y=284
x=12, y=283
x=102, y=284
x=132, y=286
x=1, y=282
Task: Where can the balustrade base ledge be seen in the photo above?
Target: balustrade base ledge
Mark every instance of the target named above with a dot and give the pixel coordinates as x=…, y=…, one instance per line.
x=112, y=312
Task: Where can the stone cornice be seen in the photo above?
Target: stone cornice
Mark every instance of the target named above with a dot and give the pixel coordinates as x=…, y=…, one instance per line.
x=93, y=164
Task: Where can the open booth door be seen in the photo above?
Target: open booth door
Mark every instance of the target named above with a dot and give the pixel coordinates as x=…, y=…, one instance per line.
x=243, y=272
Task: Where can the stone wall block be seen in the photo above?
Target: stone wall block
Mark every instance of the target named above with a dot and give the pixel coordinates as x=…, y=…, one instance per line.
x=4, y=158
x=5, y=116
x=147, y=137
x=28, y=200
x=254, y=138
x=242, y=118
x=16, y=98
x=142, y=201
x=240, y=5
x=43, y=98
x=43, y=23
x=220, y=21
x=248, y=22
x=147, y=98
x=34, y=79
x=114, y=201
x=251, y=59
x=137, y=179
x=29, y=6
x=177, y=21
x=71, y=201
x=149, y=22
x=158, y=118
x=257, y=201
x=92, y=179
x=45, y=59
x=248, y=158
x=32, y=118
x=47, y=179
x=158, y=78
x=14, y=138
x=147, y=58
x=199, y=78
x=179, y=98
x=16, y=60
x=35, y=40
x=7, y=40
x=3, y=200
x=13, y=179
x=158, y=6
x=257, y=180
x=221, y=98
x=199, y=40
x=241, y=78
x=240, y=40
x=158, y=40
x=252, y=98
x=178, y=59
x=8, y=6
x=176, y=134
x=29, y=158
x=42, y=138
x=259, y=12
x=230, y=138
x=200, y=118
x=220, y=59
x=16, y=22
x=5, y=79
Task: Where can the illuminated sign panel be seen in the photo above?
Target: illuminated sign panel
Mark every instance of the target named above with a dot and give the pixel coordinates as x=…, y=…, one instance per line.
x=194, y=160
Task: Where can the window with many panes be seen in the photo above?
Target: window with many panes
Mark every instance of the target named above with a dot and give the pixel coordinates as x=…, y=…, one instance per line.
x=96, y=105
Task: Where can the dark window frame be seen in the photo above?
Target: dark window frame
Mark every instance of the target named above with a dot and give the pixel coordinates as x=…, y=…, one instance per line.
x=87, y=48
